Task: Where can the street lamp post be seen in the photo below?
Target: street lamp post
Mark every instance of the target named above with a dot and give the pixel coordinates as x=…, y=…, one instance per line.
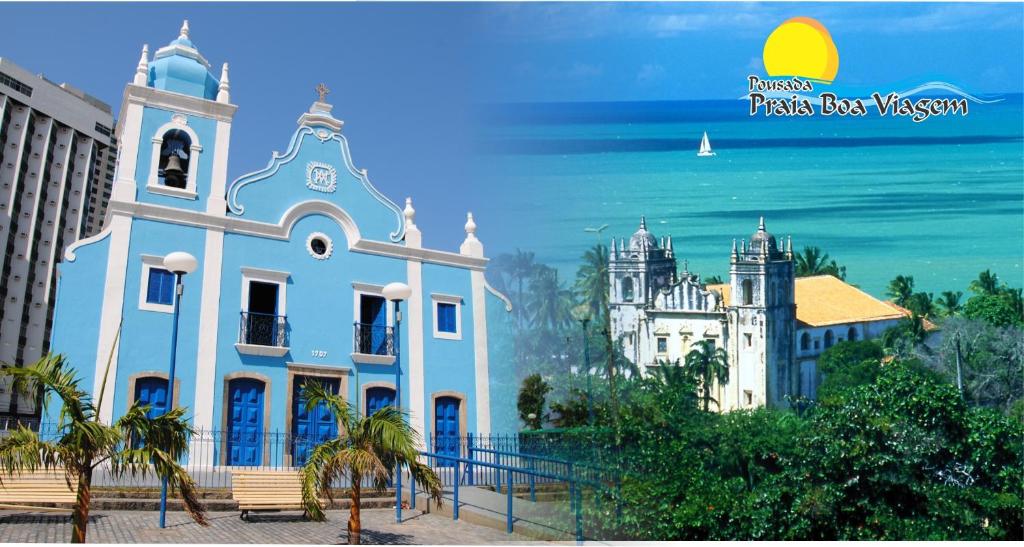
x=180, y=264
x=396, y=293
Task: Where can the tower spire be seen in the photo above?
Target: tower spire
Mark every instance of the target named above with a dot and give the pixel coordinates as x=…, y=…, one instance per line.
x=183, y=35
x=142, y=71
x=224, y=89
x=643, y=223
x=760, y=225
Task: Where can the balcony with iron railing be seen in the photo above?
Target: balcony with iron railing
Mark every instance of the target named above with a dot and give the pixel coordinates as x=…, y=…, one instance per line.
x=262, y=334
x=373, y=344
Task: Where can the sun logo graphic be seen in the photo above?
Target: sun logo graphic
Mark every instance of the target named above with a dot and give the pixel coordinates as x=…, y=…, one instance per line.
x=801, y=47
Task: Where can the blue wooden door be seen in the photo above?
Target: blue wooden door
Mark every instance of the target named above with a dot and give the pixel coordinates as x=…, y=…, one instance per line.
x=378, y=398
x=311, y=427
x=446, y=428
x=152, y=391
x=245, y=422
x=374, y=313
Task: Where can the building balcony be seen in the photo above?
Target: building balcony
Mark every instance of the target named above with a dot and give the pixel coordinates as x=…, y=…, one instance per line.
x=373, y=344
x=262, y=334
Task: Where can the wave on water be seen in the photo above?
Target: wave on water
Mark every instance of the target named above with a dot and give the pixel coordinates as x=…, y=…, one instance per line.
x=942, y=89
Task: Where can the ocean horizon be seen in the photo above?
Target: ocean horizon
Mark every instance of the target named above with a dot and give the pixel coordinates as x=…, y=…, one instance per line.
x=940, y=200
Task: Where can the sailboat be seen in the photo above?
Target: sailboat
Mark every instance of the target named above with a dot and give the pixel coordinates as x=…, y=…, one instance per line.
x=705, y=147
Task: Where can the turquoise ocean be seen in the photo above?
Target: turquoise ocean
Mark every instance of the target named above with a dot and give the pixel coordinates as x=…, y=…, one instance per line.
x=939, y=200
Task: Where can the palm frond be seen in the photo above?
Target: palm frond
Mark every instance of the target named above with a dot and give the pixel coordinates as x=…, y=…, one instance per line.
x=141, y=461
x=22, y=450
x=427, y=479
x=49, y=374
x=317, y=474
x=315, y=393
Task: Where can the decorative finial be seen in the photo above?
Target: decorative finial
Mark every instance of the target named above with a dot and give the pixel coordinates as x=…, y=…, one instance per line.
x=743, y=245
x=760, y=226
x=322, y=91
x=224, y=89
x=184, y=31
x=409, y=212
x=643, y=223
x=142, y=71
x=470, y=226
x=734, y=246
x=789, y=244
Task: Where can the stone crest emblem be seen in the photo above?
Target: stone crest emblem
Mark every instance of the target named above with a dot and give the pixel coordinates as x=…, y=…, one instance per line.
x=321, y=177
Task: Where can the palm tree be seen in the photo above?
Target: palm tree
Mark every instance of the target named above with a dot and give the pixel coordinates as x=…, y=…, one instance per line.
x=549, y=302
x=367, y=447
x=950, y=302
x=134, y=445
x=707, y=364
x=986, y=284
x=901, y=289
x=592, y=282
x=522, y=267
x=812, y=261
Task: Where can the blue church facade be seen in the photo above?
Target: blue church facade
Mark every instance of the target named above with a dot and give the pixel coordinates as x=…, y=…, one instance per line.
x=292, y=259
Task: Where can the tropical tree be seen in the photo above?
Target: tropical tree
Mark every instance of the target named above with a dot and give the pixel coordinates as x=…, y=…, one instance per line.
x=949, y=302
x=812, y=261
x=531, y=400
x=707, y=364
x=134, y=445
x=987, y=283
x=713, y=280
x=922, y=304
x=367, y=448
x=592, y=282
x=549, y=302
x=901, y=289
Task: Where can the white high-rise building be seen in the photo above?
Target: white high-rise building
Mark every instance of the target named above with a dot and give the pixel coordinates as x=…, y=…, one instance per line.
x=57, y=156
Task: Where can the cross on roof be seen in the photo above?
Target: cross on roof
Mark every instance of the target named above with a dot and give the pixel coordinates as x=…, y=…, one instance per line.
x=322, y=90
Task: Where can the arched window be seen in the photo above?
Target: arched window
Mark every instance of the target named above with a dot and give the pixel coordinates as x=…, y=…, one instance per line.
x=175, y=154
x=851, y=334
x=748, y=292
x=829, y=339
x=805, y=341
x=627, y=289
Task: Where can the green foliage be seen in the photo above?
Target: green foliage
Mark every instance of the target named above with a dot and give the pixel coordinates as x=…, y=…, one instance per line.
x=899, y=456
x=812, y=261
x=922, y=304
x=713, y=280
x=849, y=364
x=949, y=302
x=998, y=309
x=592, y=283
x=531, y=401
x=900, y=289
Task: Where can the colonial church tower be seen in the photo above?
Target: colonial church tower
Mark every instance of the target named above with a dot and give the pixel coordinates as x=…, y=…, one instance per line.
x=762, y=319
x=637, y=271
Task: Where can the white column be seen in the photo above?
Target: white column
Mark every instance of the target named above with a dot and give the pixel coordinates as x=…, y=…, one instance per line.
x=483, y=388
x=110, y=316
x=209, y=319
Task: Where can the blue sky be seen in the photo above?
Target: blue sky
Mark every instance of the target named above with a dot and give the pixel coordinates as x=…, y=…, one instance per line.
x=671, y=51
x=404, y=77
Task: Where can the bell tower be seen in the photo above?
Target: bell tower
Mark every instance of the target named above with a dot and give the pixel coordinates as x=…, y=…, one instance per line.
x=174, y=130
x=637, y=271
x=762, y=322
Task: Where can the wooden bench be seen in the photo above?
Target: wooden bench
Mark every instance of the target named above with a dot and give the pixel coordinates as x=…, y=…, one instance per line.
x=21, y=490
x=266, y=491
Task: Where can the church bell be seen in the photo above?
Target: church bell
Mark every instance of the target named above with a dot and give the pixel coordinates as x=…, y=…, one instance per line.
x=173, y=174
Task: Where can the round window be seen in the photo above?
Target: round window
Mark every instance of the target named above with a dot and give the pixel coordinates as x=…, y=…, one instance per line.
x=319, y=246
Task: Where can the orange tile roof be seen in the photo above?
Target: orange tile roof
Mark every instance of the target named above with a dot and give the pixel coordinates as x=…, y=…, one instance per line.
x=824, y=300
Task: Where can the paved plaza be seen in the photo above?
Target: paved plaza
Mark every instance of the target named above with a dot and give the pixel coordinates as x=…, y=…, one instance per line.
x=379, y=527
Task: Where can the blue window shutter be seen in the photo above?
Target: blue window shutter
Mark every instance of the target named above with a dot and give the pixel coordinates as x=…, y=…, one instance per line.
x=153, y=289
x=161, y=287
x=446, y=317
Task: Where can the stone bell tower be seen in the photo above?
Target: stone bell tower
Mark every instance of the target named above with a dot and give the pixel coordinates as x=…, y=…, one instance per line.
x=637, y=271
x=762, y=320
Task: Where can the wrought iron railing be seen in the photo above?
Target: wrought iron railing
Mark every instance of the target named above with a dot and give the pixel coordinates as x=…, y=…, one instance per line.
x=373, y=339
x=263, y=329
